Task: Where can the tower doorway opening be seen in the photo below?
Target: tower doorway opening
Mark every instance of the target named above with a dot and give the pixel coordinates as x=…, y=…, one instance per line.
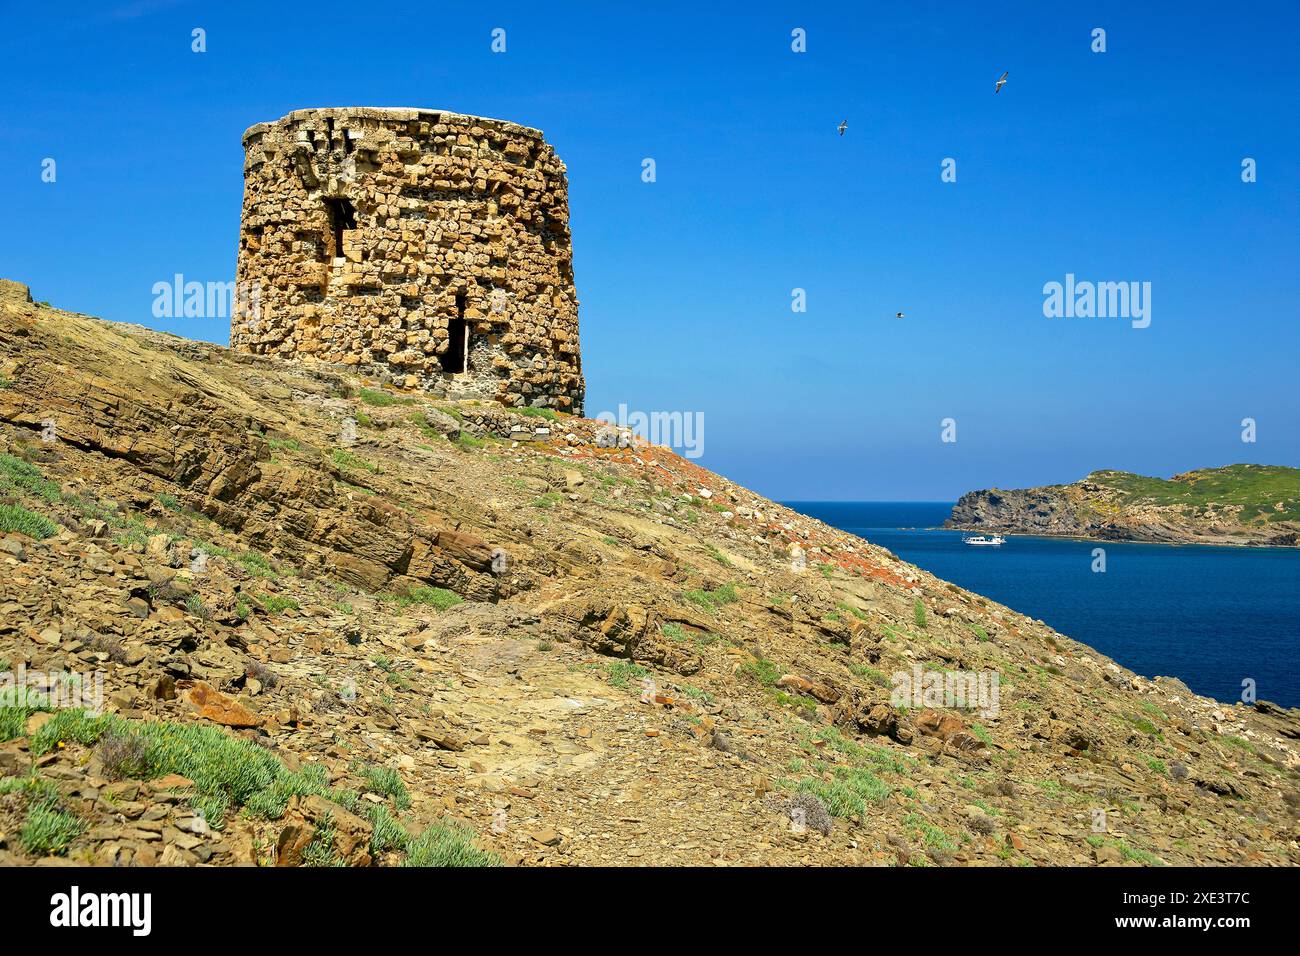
x=456, y=355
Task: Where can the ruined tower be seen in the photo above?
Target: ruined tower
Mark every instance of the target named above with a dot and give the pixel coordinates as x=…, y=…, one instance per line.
x=422, y=246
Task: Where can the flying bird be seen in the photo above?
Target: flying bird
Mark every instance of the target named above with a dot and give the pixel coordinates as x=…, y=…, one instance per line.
x=898, y=315
x=844, y=124
x=1002, y=81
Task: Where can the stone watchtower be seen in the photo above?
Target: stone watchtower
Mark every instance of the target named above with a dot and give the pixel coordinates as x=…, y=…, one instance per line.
x=428, y=247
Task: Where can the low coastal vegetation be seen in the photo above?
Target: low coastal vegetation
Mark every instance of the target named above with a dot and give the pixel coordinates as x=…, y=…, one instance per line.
x=228, y=775
x=1266, y=493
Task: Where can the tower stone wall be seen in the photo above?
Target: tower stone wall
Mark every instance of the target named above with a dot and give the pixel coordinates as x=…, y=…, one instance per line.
x=423, y=246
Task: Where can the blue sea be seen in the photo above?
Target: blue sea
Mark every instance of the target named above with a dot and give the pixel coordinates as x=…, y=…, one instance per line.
x=1210, y=616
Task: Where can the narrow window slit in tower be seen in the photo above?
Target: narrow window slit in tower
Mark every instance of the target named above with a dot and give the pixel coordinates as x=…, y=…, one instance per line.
x=342, y=217
x=453, y=359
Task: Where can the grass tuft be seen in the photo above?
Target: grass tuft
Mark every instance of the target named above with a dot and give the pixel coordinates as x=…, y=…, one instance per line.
x=439, y=598
x=349, y=461
x=382, y=399
x=387, y=781
x=448, y=844
x=19, y=519
x=715, y=599
x=48, y=830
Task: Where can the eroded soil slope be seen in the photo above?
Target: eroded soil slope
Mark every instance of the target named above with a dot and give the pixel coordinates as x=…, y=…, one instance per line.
x=473, y=635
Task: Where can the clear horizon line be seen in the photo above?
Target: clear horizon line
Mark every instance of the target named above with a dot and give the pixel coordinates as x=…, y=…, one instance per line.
x=867, y=501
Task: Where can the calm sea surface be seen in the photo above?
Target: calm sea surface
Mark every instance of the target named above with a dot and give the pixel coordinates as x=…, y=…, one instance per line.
x=1209, y=616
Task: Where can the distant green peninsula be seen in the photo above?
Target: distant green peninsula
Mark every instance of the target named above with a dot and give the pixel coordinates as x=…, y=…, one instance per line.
x=1251, y=505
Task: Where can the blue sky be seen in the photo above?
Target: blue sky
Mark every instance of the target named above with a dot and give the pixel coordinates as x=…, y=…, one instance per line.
x=1115, y=166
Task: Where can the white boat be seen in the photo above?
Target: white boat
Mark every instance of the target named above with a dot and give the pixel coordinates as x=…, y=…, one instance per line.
x=980, y=539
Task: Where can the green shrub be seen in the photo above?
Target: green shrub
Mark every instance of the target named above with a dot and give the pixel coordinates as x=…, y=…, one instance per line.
x=422, y=422
x=860, y=614
x=870, y=673
x=47, y=829
x=930, y=834
x=530, y=411
x=448, y=844
x=19, y=519
x=439, y=598
x=387, y=781
x=69, y=726
x=272, y=796
x=347, y=460
x=918, y=614
x=194, y=604
x=713, y=600
x=320, y=851
x=621, y=673
x=764, y=670
x=17, y=475
x=31, y=787
x=673, y=630
x=228, y=772
x=793, y=700
x=16, y=705
x=275, y=603
x=1138, y=855
x=380, y=399
x=254, y=562
x=716, y=553
x=387, y=834
x=848, y=792
x=1144, y=725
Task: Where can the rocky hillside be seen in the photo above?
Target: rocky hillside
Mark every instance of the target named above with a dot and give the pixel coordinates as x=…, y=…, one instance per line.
x=470, y=635
x=1238, y=505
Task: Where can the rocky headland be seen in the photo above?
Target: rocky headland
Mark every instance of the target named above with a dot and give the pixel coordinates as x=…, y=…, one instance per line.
x=1245, y=505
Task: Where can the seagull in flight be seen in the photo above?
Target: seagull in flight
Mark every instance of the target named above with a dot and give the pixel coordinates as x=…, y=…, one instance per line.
x=844, y=124
x=898, y=315
x=1002, y=81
